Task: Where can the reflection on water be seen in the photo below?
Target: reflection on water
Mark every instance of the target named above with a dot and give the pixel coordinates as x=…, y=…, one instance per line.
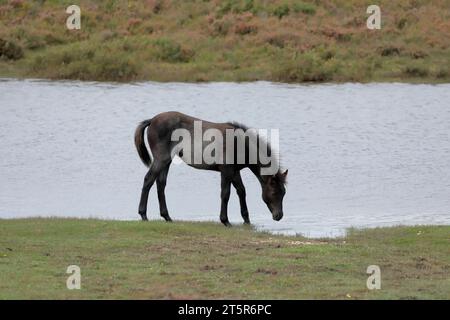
x=358, y=155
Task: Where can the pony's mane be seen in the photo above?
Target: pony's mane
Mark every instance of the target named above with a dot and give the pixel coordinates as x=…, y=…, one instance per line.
x=279, y=175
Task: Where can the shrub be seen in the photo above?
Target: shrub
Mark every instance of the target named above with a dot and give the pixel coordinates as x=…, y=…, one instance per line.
x=107, y=35
x=226, y=6
x=327, y=54
x=133, y=24
x=171, y=51
x=416, y=71
x=282, y=40
x=52, y=39
x=307, y=68
x=84, y=62
x=389, y=51
x=33, y=42
x=155, y=5
x=339, y=34
x=306, y=8
x=220, y=27
x=443, y=74
x=116, y=68
x=235, y=6
x=418, y=54
x=248, y=5
x=244, y=28
x=17, y=3
x=102, y=68
x=281, y=11
x=402, y=23
x=10, y=51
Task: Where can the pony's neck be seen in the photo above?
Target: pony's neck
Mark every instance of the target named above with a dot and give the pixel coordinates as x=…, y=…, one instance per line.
x=256, y=169
x=258, y=166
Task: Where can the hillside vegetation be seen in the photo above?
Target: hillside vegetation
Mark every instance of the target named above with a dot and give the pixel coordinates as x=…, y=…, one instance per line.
x=226, y=40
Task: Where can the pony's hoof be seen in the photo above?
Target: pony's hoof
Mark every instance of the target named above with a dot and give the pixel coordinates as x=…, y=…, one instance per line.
x=167, y=218
x=144, y=217
x=226, y=224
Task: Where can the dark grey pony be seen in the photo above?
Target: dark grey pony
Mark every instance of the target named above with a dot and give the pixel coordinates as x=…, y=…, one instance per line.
x=159, y=135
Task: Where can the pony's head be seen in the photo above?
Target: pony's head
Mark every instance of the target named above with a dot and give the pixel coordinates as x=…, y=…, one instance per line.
x=273, y=191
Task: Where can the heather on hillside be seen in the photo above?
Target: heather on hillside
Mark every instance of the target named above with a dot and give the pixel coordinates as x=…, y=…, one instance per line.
x=229, y=40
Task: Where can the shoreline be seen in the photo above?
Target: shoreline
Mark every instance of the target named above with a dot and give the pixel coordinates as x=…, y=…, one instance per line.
x=149, y=81
x=336, y=234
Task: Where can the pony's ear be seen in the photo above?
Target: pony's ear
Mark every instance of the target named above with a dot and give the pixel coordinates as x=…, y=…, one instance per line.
x=285, y=173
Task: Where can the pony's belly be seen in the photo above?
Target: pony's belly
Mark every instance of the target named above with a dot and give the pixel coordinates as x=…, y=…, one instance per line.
x=204, y=159
x=204, y=166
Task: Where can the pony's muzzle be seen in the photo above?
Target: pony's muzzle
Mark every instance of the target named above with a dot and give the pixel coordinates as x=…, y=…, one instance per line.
x=277, y=216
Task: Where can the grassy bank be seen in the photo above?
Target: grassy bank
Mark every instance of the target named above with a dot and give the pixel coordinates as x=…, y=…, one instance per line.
x=229, y=40
x=206, y=260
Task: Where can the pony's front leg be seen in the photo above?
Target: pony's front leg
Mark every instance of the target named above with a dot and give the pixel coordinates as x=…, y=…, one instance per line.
x=225, y=196
x=240, y=189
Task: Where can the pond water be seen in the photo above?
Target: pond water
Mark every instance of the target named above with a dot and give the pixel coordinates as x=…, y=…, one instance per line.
x=359, y=155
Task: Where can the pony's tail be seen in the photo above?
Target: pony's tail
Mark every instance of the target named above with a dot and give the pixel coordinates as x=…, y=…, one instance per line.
x=140, y=142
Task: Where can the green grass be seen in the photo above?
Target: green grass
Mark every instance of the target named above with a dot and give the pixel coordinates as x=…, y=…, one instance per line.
x=226, y=40
x=158, y=260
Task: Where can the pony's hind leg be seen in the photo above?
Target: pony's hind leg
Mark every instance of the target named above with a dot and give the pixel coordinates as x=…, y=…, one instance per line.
x=149, y=180
x=161, y=185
